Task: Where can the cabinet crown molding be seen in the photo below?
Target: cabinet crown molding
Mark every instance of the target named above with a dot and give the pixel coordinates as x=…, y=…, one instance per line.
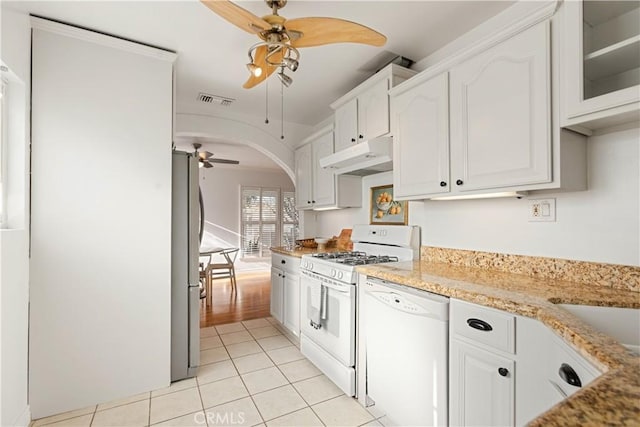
x=387, y=72
x=519, y=22
x=101, y=38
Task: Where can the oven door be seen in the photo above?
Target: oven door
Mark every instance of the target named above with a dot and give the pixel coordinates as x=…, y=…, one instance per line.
x=336, y=334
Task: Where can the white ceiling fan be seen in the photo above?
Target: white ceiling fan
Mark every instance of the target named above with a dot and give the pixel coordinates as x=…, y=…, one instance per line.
x=206, y=159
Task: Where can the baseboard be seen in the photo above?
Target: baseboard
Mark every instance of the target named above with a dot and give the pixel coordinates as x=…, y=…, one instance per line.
x=24, y=419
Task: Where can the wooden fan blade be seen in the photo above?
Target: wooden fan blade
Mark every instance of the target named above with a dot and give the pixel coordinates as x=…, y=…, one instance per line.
x=261, y=60
x=321, y=31
x=238, y=16
x=207, y=165
x=225, y=161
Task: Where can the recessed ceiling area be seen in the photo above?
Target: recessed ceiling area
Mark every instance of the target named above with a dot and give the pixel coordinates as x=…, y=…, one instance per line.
x=212, y=53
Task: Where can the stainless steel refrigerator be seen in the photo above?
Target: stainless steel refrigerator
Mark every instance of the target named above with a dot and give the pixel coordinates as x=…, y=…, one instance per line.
x=185, y=290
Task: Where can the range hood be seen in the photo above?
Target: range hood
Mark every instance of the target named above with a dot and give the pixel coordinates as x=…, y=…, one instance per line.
x=365, y=158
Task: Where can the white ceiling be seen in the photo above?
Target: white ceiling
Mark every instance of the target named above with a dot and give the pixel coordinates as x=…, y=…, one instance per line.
x=212, y=53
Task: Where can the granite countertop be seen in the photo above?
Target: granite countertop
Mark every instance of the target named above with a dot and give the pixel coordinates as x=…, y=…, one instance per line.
x=298, y=252
x=611, y=399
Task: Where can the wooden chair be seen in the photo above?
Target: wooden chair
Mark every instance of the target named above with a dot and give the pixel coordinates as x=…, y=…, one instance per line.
x=224, y=269
x=204, y=262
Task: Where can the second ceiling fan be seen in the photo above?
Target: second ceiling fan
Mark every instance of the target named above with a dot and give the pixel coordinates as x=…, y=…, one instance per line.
x=206, y=159
x=282, y=37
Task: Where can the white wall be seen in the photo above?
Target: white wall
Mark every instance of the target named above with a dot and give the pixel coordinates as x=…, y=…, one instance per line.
x=221, y=193
x=14, y=243
x=601, y=224
x=100, y=269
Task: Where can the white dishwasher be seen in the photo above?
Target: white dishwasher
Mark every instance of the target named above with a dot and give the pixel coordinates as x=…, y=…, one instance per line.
x=406, y=333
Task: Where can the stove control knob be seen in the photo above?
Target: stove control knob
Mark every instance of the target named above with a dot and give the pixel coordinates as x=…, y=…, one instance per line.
x=340, y=275
x=310, y=266
x=333, y=272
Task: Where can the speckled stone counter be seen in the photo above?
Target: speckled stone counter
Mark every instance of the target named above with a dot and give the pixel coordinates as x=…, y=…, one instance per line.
x=611, y=399
x=298, y=252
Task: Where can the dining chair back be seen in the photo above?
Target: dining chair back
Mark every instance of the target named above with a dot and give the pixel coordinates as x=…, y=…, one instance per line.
x=224, y=268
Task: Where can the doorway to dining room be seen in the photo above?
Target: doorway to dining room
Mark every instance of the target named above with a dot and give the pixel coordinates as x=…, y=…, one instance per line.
x=252, y=210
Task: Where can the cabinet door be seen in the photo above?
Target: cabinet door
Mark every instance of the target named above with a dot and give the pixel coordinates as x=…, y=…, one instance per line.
x=277, y=293
x=304, y=175
x=420, y=119
x=500, y=114
x=346, y=125
x=292, y=303
x=600, y=57
x=324, y=180
x=373, y=111
x=479, y=392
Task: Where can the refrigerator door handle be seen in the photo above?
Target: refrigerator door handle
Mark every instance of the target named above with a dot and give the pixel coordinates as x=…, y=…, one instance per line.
x=194, y=329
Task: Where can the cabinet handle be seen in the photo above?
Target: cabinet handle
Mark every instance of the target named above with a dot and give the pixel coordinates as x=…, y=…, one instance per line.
x=353, y=140
x=361, y=136
x=503, y=372
x=459, y=182
x=443, y=184
x=569, y=376
x=480, y=325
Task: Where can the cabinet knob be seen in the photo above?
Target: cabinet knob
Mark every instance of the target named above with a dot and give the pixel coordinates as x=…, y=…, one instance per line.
x=283, y=261
x=353, y=140
x=313, y=201
x=503, y=372
x=459, y=182
x=361, y=136
x=309, y=202
x=443, y=184
x=569, y=376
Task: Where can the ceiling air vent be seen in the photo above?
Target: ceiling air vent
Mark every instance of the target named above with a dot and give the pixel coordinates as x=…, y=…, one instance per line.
x=215, y=99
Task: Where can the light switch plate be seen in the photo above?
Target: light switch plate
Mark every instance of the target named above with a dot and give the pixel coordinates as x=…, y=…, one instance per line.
x=542, y=210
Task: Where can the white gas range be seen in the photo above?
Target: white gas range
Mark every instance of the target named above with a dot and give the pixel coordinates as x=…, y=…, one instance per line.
x=328, y=296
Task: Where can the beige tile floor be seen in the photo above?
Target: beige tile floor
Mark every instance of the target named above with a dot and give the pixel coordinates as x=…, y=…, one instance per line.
x=250, y=375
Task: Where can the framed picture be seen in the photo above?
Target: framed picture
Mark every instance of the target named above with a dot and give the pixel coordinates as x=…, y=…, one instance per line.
x=384, y=209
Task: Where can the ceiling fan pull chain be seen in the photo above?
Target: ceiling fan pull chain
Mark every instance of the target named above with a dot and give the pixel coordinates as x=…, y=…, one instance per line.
x=266, y=120
x=282, y=109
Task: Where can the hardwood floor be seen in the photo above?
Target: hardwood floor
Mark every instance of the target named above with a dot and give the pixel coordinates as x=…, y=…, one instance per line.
x=251, y=301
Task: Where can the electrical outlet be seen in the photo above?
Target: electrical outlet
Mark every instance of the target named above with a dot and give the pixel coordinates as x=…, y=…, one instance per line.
x=543, y=210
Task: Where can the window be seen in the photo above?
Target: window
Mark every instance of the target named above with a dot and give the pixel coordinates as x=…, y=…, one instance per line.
x=266, y=220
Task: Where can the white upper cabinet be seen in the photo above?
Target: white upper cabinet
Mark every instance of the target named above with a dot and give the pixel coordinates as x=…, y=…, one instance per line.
x=304, y=174
x=363, y=113
x=420, y=120
x=373, y=111
x=346, y=125
x=500, y=114
x=601, y=63
x=324, y=181
x=318, y=188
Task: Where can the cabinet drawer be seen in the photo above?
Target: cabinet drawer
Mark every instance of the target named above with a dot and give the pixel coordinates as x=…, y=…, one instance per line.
x=286, y=263
x=483, y=325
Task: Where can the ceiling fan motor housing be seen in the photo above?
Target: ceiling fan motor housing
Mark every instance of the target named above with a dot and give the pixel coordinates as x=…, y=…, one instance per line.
x=276, y=4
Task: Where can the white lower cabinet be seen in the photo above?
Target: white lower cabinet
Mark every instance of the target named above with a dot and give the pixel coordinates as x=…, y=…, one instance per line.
x=292, y=303
x=277, y=294
x=493, y=382
x=285, y=291
x=482, y=387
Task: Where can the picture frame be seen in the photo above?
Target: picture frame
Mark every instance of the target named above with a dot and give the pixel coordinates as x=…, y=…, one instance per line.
x=384, y=209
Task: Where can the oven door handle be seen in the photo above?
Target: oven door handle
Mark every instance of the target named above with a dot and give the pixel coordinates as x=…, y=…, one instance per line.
x=345, y=289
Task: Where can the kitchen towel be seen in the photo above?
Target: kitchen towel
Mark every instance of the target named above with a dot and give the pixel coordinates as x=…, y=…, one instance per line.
x=316, y=295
